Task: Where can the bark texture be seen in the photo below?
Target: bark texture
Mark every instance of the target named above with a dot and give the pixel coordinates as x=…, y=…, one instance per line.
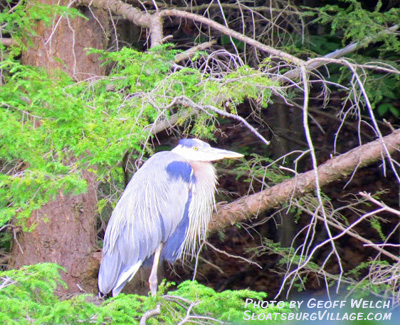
x=62, y=45
x=65, y=231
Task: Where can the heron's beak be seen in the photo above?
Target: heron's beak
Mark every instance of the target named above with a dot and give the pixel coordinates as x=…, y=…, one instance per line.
x=218, y=154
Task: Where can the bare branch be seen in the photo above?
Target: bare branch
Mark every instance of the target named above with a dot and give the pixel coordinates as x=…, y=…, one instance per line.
x=150, y=313
x=6, y=281
x=353, y=234
x=192, y=51
x=7, y=41
x=182, y=100
x=314, y=162
x=378, y=203
x=233, y=256
x=136, y=16
x=229, y=32
x=161, y=125
x=154, y=23
x=316, y=63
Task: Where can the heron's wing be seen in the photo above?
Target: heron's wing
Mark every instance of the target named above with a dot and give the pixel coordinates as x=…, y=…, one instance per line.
x=148, y=213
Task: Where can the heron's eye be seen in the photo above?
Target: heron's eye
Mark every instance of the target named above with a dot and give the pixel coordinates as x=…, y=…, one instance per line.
x=195, y=148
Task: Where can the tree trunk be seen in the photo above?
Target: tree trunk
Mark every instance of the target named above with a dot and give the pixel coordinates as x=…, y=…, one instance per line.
x=286, y=125
x=65, y=231
x=62, y=45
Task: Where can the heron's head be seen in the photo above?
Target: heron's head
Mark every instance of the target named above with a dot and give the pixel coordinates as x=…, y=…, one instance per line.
x=197, y=150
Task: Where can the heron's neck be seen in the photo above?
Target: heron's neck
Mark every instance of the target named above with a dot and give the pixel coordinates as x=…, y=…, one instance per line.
x=205, y=175
x=202, y=205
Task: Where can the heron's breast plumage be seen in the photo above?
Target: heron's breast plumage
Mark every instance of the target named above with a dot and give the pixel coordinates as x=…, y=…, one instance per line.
x=202, y=204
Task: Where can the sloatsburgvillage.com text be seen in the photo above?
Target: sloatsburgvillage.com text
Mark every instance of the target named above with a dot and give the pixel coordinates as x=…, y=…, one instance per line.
x=319, y=315
x=318, y=310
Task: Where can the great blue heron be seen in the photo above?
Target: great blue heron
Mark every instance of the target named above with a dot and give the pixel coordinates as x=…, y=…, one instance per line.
x=162, y=214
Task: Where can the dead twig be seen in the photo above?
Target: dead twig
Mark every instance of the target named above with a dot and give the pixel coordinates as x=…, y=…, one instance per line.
x=188, y=54
x=150, y=313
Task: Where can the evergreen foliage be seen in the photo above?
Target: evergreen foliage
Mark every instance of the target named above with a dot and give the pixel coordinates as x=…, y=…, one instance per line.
x=356, y=24
x=350, y=21
x=28, y=296
x=52, y=128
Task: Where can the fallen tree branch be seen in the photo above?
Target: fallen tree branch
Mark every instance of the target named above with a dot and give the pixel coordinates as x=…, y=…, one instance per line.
x=332, y=170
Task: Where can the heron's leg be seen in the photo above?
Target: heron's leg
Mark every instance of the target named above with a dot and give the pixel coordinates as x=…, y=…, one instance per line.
x=153, y=281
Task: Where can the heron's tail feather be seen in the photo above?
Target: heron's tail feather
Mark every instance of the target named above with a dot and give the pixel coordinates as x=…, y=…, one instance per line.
x=114, y=274
x=110, y=268
x=127, y=273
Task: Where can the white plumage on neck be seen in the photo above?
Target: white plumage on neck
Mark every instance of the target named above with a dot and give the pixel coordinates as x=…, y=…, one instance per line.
x=201, y=207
